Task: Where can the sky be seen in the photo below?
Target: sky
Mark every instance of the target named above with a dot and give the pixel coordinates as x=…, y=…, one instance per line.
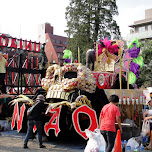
x=130, y=11
x=21, y=18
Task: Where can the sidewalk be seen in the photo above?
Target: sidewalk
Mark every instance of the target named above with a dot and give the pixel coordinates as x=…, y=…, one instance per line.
x=12, y=141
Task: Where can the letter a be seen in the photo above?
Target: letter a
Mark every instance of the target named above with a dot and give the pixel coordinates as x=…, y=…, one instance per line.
x=51, y=124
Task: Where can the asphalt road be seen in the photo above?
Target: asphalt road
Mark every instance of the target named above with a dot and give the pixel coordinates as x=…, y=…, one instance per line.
x=13, y=142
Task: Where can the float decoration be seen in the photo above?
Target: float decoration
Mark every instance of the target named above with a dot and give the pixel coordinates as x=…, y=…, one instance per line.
x=84, y=80
x=75, y=93
x=137, y=61
x=109, y=52
x=22, y=98
x=131, y=59
x=67, y=56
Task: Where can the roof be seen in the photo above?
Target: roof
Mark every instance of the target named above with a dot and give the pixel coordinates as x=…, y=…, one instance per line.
x=142, y=22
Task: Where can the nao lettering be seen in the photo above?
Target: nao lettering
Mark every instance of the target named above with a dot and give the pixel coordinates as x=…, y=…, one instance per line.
x=54, y=120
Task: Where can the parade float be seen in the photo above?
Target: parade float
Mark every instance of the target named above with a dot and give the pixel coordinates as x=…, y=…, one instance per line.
x=75, y=95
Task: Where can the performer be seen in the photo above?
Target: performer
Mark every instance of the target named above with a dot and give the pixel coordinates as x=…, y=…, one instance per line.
x=34, y=118
x=90, y=57
x=2, y=72
x=109, y=114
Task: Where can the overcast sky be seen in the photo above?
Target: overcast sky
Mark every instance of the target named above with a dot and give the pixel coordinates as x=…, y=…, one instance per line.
x=130, y=11
x=21, y=18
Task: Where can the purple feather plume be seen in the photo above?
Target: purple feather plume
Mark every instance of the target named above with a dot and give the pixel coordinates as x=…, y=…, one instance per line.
x=134, y=67
x=134, y=51
x=67, y=60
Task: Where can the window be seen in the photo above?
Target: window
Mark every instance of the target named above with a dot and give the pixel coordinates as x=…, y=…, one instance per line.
x=58, y=55
x=141, y=29
x=149, y=27
x=57, y=41
x=66, y=43
x=136, y=29
x=53, y=40
x=56, y=46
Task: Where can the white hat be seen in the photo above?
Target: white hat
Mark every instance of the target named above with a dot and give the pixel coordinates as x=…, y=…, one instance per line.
x=147, y=95
x=40, y=97
x=148, y=100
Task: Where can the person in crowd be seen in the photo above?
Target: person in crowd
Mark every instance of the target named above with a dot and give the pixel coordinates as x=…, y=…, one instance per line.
x=3, y=104
x=40, y=90
x=2, y=72
x=147, y=115
x=90, y=57
x=109, y=115
x=35, y=118
x=3, y=95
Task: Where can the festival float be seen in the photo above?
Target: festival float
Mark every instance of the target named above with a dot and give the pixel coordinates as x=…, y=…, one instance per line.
x=75, y=95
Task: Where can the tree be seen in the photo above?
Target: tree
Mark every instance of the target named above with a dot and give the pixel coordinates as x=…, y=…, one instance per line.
x=90, y=20
x=145, y=76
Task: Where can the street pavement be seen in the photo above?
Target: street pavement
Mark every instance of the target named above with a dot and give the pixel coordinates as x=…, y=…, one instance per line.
x=12, y=141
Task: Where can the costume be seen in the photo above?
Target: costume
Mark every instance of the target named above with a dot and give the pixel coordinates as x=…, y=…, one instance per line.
x=107, y=125
x=90, y=58
x=35, y=118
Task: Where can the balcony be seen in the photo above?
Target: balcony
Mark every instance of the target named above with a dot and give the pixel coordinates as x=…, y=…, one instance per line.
x=141, y=35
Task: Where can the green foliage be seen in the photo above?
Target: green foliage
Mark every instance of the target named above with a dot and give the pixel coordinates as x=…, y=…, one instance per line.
x=89, y=21
x=145, y=76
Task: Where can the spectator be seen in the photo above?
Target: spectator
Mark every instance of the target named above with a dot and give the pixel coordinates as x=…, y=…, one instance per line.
x=2, y=72
x=34, y=118
x=4, y=105
x=109, y=114
x=147, y=115
x=90, y=57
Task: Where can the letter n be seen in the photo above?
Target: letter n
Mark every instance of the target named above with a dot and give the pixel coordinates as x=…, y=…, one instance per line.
x=18, y=117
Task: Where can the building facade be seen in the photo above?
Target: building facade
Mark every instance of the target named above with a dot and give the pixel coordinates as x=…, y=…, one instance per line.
x=142, y=29
x=55, y=44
